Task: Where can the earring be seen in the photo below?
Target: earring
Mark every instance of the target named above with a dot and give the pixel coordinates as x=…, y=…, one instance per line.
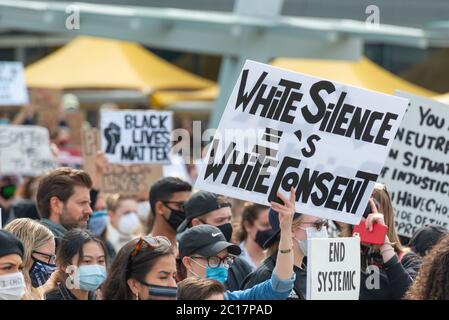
x=137, y=296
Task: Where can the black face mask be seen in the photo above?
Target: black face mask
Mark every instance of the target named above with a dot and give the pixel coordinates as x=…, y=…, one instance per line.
x=226, y=229
x=7, y=191
x=161, y=291
x=40, y=272
x=176, y=218
x=263, y=236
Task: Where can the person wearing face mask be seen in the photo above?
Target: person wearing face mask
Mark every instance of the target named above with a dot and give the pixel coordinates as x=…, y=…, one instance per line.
x=98, y=223
x=124, y=223
x=12, y=282
x=167, y=197
x=144, y=269
x=39, y=254
x=396, y=266
x=255, y=229
x=205, y=253
x=81, y=267
x=208, y=208
x=304, y=227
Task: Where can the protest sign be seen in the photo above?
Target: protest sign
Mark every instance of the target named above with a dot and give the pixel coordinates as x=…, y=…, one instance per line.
x=283, y=129
x=24, y=150
x=333, y=268
x=75, y=122
x=47, y=103
x=416, y=172
x=13, y=91
x=117, y=178
x=131, y=136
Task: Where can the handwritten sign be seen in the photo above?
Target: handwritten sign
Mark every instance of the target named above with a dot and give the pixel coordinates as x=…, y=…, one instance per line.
x=136, y=136
x=416, y=172
x=25, y=150
x=124, y=179
x=283, y=129
x=13, y=90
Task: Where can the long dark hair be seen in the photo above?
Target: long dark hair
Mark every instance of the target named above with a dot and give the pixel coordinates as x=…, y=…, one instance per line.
x=432, y=281
x=116, y=285
x=69, y=246
x=251, y=213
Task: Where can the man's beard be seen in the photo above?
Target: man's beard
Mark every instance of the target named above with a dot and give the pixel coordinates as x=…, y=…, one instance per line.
x=68, y=222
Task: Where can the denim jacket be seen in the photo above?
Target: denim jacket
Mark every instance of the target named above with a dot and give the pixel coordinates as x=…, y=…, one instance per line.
x=271, y=289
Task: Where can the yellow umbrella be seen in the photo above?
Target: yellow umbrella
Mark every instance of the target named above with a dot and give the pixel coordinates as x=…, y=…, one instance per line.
x=98, y=63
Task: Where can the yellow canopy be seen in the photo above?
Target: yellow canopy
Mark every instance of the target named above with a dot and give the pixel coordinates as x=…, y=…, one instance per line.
x=166, y=98
x=363, y=73
x=444, y=98
x=94, y=63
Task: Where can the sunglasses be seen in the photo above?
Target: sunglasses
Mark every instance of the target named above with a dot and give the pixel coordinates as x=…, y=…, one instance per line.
x=146, y=242
x=152, y=242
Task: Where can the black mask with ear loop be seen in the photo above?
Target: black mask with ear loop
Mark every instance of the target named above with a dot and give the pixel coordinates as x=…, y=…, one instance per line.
x=262, y=236
x=176, y=218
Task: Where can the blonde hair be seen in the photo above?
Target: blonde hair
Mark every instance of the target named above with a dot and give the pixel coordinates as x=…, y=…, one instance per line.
x=271, y=250
x=33, y=236
x=113, y=200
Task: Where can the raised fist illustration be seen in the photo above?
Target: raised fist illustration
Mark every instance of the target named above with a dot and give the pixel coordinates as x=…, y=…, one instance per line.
x=112, y=135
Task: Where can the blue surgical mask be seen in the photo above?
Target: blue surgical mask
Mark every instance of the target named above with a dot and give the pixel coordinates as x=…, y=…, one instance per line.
x=91, y=276
x=220, y=273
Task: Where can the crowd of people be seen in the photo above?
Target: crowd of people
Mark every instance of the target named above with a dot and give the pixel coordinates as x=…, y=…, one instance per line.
x=68, y=240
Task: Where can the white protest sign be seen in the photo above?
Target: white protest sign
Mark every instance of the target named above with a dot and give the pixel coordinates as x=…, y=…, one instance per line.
x=131, y=136
x=333, y=268
x=12, y=84
x=282, y=129
x=25, y=150
x=416, y=172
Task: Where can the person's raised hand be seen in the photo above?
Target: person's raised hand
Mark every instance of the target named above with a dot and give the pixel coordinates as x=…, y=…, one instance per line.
x=287, y=210
x=374, y=217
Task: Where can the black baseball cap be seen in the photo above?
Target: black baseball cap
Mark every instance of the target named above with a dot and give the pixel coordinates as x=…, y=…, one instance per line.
x=205, y=240
x=273, y=218
x=198, y=204
x=10, y=244
x=425, y=238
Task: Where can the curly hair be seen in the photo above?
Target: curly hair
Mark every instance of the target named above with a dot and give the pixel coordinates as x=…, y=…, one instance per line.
x=432, y=282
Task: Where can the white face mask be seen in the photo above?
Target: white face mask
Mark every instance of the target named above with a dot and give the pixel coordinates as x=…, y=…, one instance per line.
x=129, y=224
x=12, y=286
x=143, y=210
x=312, y=233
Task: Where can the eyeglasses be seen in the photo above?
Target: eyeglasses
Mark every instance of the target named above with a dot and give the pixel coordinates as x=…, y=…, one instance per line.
x=318, y=224
x=215, y=262
x=51, y=257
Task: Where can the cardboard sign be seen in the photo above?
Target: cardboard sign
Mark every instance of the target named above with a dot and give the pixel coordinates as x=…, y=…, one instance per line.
x=416, y=172
x=333, y=268
x=283, y=129
x=131, y=136
x=75, y=122
x=13, y=90
x=47, y=103
x=123, y=179
x=25, y=150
